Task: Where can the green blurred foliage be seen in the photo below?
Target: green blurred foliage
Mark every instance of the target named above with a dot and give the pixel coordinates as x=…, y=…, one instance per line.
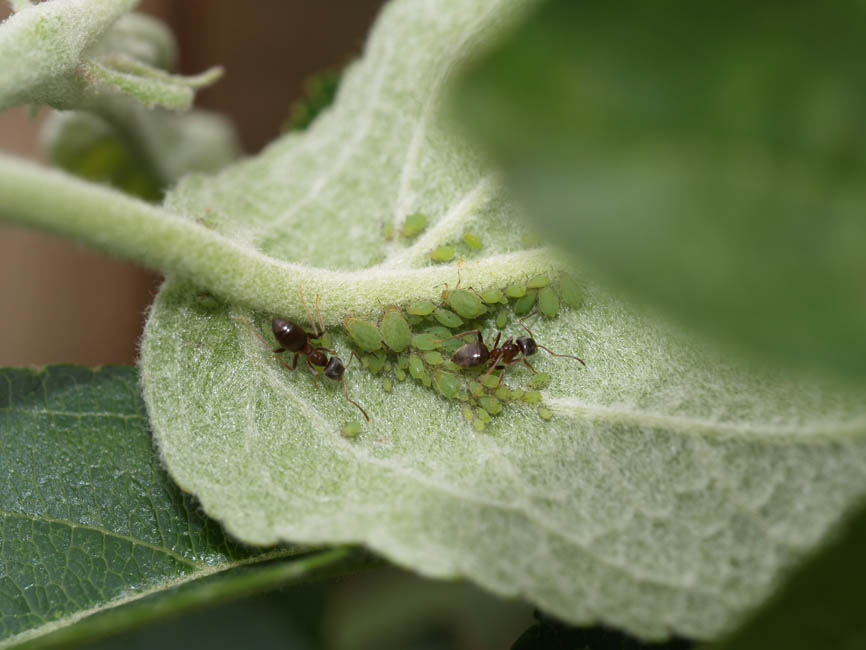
x=707, y=157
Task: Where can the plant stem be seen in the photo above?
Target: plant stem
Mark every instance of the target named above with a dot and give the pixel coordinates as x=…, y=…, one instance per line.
x=110, y=221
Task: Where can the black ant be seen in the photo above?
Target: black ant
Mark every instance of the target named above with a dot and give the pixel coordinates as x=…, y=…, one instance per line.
x=472, y=355
x=293, y=338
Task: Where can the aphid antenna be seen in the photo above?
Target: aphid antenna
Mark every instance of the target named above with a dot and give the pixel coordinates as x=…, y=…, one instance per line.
x=261, y=338
x=457, y=336
x=545, y=348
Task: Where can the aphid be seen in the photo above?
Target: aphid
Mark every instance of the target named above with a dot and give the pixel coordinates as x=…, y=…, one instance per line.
x=433, y=358
x=350, y=429
x=446, y=383
x=363, y=333
x=491, y=296
x=414, y=224
x=293, y=338
x=501, y=319
x=544, y=413
x=525, y=304
x=570, y=292
x=515, y=291
x=395, y=330
x=447, y=318
x=464, y=303
x=473, y=241
x=538, y=282
x=425, y=342
x=548, y=302
x=424, y=308
x=443, y=254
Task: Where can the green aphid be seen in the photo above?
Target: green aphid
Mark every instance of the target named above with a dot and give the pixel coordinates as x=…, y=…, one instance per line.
x=395, y=330
x=387, y=384
x=414, y=224
x=571, y=293
x=403, y=362
x=447, y=318
x=425, y=379
x=490, y=381
x=544, y=413
x=462, y=395
x=524, y=305
x=414, y=321
x=350, y=429
x=517, y=394
x=475, y=389
x=388, y=231
x=465, y=304
x=538, y=282
x=376, y=362
x=400, y=374
x=548, y=302
x=363, y=333
x=479, y=424
x=490, y=404
x=451, y=366
x=446, y=383
x=532, y=397
x=425, y=342
x=492, y=296
x=467, y=412
x=432, y=358
x=423, y=308
x=515, y=291
x=503, y=393
x=473, y=241
x=501, y=319
x=388, y=366
x=416, y=366
x=438, y=331
x=482, y=415
x=443, y=254
x=541, y=380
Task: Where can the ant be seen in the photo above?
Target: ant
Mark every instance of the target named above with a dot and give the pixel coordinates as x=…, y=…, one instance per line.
x=472, y=355
x=293, y=338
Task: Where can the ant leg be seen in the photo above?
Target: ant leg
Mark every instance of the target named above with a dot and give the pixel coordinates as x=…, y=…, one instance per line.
x=529, y=365
x=568, y=356
x=314, y=371
x=351, y=356
x=295, y=360
x=457, y=336
x=494, y=360
x=275, y=351
x=309, y=316
x=349, y=399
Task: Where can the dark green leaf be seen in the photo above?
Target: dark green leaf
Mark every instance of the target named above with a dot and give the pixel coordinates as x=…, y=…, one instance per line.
x=709, y=157
x=89, y=520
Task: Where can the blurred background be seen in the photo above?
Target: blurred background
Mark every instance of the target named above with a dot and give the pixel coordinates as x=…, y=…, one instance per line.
x=64, y=304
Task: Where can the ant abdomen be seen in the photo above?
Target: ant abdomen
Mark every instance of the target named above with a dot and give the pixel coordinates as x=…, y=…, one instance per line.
x=289, y=335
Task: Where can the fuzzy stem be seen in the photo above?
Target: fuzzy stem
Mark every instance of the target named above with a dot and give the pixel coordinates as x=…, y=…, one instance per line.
x=110, y=221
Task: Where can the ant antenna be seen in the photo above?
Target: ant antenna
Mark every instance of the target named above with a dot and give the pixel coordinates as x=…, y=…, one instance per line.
x=309, y=316
x=548, y=350
x=261, y=338
x=346, y=390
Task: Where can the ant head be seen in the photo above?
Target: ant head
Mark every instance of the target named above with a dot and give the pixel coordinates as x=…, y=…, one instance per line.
x=334, y=369
x=527, y=345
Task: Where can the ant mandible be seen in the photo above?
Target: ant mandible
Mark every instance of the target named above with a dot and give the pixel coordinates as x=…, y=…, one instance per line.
x=293, y=338
x=472, y=355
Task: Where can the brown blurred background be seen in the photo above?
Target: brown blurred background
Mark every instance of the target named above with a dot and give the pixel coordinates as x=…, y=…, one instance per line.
x=61, y=303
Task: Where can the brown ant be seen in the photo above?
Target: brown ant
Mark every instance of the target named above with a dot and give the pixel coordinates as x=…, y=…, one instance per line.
x=472, y=355
x=293, y=338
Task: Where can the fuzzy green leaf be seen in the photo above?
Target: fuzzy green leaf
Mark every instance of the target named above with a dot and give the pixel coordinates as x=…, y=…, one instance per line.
x=670, y=488
x=707, y=157
x=89, y=521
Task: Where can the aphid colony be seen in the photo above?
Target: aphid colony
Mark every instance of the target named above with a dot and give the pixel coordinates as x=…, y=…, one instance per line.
x=442, y=346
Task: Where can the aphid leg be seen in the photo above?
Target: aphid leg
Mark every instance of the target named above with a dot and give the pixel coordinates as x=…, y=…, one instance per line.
x=275, y=351
x=523, y=325
x=569, y=356
x=346, y=393
x=309, y=316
